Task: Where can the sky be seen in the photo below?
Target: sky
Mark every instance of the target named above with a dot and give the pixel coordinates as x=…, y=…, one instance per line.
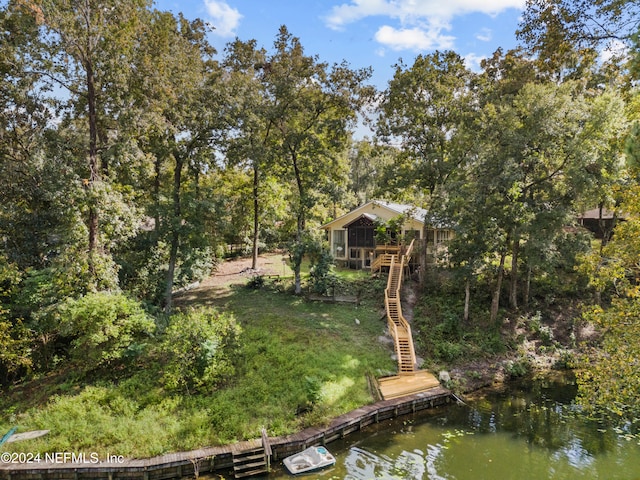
x=365, y=33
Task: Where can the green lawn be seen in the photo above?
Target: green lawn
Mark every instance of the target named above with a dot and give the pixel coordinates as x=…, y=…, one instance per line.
x=293, y=352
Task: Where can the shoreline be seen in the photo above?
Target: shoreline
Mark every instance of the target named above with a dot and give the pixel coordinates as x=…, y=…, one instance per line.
x=211, y=459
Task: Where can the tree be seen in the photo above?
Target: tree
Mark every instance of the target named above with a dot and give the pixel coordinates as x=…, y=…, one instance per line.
x=609, y=381
x=250, y=127
x=312, y=108
x=85, y=45
x=566, y=35
x=424, y=110
x=171, y=125
x=536, y=141
x=368, y=163
x=191, y=125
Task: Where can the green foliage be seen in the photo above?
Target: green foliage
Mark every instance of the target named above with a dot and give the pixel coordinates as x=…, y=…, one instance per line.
x=321, y=272
x=105, y=327
x=517, y=368
x=610, y=382
x=292, y=352
x=443, y=336
x=256, y=282
x=15, y=349
x=321, y=268
x=198, y=350
x=15, y=339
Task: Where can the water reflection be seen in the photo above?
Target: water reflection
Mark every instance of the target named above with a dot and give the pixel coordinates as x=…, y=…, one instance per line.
x=530, y=431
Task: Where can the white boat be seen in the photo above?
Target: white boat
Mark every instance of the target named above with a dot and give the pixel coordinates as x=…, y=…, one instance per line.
x=313, y=458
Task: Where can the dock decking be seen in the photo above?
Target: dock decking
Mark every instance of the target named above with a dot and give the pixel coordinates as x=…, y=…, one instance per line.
x=403, y=385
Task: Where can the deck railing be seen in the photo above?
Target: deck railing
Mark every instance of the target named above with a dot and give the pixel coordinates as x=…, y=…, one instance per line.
x=398, y=326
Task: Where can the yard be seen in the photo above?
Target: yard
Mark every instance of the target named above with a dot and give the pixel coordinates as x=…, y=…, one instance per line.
x=300, y=364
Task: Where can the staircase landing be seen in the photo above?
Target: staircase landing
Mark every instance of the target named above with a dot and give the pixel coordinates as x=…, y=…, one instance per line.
x=401, y=385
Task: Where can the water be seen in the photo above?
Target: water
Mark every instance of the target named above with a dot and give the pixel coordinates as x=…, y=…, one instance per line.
x=530, y=431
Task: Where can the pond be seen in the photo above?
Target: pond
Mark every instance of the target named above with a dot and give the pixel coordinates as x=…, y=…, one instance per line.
x=531, y=430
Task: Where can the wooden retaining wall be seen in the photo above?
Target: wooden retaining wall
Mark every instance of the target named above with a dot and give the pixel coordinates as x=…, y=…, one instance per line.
x=205, y=460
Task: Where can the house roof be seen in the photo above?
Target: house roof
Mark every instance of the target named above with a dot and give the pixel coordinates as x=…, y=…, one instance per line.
x=595, y=214
x=416, y=213
x=365, y=216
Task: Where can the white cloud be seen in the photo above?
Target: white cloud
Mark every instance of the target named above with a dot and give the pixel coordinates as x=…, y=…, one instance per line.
x=421, y=23
x=224, y=18
x=415, y=10
x=485, y=35
x=413, y=38
x=472, y=61
x=616, y=48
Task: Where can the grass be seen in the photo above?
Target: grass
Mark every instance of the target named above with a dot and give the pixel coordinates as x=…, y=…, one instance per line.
x=300, y=364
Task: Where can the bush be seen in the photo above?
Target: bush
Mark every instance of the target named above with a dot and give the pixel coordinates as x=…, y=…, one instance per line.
x=197, y=349
x=105, y=327
x=15, y=351
x=256, y=282
x=517, y=368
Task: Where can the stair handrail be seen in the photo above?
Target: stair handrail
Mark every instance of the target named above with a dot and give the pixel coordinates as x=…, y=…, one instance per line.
x=393, y=327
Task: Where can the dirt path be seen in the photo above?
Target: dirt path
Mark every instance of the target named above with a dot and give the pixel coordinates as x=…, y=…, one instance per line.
x=231, y=272
x=238, y=270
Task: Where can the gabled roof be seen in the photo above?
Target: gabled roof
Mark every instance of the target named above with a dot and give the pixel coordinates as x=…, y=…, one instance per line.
x=363, y=219
x=418, y=214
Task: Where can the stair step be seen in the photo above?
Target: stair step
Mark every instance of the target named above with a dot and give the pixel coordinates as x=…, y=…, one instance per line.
x=250, y=473
x=240, y=458
x=250, y=466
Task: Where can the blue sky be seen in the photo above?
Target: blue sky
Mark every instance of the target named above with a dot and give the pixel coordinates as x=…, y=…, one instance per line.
x=365, y=33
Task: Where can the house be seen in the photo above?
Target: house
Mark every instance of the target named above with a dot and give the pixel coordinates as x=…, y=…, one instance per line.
x=600, y=223
x=352, y=237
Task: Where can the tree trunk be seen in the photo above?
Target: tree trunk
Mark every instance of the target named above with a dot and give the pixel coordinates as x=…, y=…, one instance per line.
x=495, y=301
x=156, y=196
x=94, y=167
x=175, y=234
x=301, y=223
x=527, y=286
x=256, y=216
x=467, y=298
x=513, y=293
x=422, y=274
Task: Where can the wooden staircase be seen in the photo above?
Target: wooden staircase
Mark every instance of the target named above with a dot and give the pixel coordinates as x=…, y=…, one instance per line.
x=382, y=260
x=257, y=461
x=398, y=326
x=409, y=380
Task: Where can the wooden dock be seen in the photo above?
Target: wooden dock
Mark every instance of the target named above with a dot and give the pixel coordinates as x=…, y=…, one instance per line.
x=403, y=385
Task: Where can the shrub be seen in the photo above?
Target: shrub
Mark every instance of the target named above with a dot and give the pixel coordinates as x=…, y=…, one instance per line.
x=256, y=282
x=105, y=327
x=15, y=351
x=197, y=349
x=517, y=368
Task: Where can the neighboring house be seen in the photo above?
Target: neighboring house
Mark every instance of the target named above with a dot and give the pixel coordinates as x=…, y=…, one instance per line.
x=600, y=223
x=352, y=237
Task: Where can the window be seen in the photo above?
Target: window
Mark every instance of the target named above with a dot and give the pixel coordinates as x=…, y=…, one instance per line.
x=361, y=237
x=339, y=247
x=442, y=236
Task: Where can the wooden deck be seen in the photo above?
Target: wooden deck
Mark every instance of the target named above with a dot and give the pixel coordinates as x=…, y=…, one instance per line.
x=403, y=385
